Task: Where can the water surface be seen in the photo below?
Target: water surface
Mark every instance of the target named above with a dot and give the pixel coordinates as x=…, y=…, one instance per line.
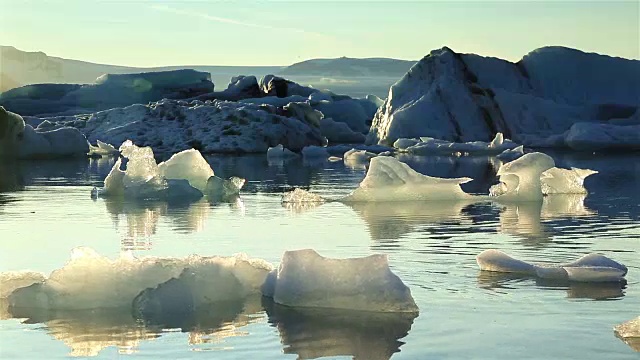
x=46, y=210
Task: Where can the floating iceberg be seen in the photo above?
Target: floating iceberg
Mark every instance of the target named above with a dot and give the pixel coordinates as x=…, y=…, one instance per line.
x=185, y=177
x=551, y=97
x=306, y=279
x=589, y=268
x=189, y=165
x=358, y=159
x=102, y=149
x=92, y=281
x=534, y=175
x=391, y=180
x=629, y=332
x=20, y=141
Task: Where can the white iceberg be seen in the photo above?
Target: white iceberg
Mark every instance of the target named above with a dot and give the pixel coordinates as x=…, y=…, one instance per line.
x=357, y=159
x=92, y=281
x=391, y=180
x=551, y=97
x=589, y=268
x=20, y=141
x=431, y=146
x=306, y=279
x=219, y=189
x=102, y=149
x=565, y=181
x=189, y=165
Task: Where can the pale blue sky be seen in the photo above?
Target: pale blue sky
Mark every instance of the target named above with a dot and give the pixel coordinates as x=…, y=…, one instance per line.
x=155, y=33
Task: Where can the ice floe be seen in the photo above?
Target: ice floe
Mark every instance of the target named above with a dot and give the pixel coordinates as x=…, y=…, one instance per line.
x=431, y=146
x=306, y=279
x=589, y=268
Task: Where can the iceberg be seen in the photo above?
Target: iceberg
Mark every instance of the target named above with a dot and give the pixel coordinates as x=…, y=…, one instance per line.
x=306, y=279
x=629, y=332
x=391, y=180
x=102, y=149
x=92, y=281
x=21, y=141
x=279, y=152
x=185, y=177
x=551, y=97
x=589, y=268
x=107, y=92
x=189, y=165
x=357, y=159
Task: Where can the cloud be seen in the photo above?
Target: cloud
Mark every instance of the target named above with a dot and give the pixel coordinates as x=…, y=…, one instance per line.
x=224, y=20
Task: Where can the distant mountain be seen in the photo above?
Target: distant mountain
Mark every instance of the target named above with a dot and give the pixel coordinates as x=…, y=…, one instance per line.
x=349, y=67
x=19, y=68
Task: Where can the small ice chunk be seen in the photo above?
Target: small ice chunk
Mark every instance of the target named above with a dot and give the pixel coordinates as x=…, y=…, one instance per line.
x=279, y=151
x=102, y=149
x=563, y=181
x=629, y=332
x=589, y=268
x=300, y=196
x=306, y=279
x=219, y=189
x=357, y=158
x=189, y=165
x=391, y=180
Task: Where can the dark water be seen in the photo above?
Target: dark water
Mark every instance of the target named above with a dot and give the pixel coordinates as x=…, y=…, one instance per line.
x=46, y=210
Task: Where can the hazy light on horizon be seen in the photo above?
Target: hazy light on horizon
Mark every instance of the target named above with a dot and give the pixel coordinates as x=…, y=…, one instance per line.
x=145, y=33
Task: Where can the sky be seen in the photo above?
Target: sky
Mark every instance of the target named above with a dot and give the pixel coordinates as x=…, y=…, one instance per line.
x=160, y=33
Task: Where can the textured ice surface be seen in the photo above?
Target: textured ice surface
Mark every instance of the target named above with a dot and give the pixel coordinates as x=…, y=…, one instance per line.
x=629, y=332
x=189, y=165
x=11, y=280
x=589, y=268
x=549, y=98
x=300, y=196
x=391, y=180
x=563, y=181
x=521, y=177
x=357, y=159
x=102, y=149
x=511, y=154
x=306, y=279
x=219, y=189
x=92, y=281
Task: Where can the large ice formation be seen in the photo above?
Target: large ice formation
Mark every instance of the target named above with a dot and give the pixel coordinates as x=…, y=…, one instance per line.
x=170, y=126
x=92, y=281
x=19, y=140
x=391, y=180
x=589, y=268
x=306, y=279
x=629, y=332
x=108, y=91
x=552, y=97
x=189, y=165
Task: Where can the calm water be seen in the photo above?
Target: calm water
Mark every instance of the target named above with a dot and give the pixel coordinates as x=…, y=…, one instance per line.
x=46, y=210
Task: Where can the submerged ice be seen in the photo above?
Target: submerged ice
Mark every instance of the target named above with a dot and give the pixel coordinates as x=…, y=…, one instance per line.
x=589, y=268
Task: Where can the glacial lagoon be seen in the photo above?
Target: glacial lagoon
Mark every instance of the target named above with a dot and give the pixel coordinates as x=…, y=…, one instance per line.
x=46, y=211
